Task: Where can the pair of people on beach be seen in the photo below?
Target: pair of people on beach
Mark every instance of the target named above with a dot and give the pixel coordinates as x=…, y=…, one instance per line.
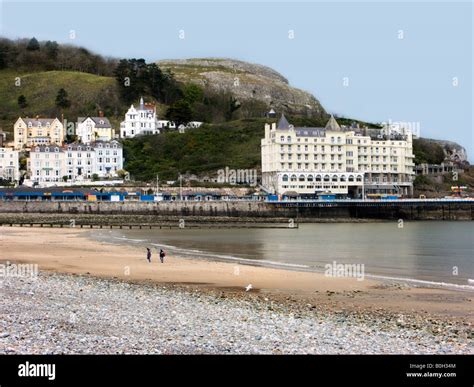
x=162, y=255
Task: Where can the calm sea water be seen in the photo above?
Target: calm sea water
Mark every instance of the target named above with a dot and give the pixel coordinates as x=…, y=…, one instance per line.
x=420, y=251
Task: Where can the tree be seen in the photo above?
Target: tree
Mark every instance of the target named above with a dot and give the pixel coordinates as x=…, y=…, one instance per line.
x=193, y=93
x=33, y=45
x=233, y=105
x=52, y=49
x=22, y=101
x=180, y=112
x=4, y=50
x=62, y=100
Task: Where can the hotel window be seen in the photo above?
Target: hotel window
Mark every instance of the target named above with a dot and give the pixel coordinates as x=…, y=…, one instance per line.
x=288, y=138
x=332, y=140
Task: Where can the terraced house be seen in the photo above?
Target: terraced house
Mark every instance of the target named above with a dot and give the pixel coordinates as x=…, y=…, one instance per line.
x=346, y=161
x=29, y=132
x=9, y=165
x=75, y=162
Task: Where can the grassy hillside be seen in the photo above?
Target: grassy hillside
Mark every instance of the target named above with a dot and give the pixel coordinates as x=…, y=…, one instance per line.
x=87, y=92
x=234, y=144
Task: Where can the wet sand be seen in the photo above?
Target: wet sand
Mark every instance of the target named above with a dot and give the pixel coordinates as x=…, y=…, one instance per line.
x=71, y=251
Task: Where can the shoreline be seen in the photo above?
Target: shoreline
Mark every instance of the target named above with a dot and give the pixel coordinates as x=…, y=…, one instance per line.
x=234, y=260
x=72, y=251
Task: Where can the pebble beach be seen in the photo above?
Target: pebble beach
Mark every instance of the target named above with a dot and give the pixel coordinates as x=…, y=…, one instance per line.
x=73, y=314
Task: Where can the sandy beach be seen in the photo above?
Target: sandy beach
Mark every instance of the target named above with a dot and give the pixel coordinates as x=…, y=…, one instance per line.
x=71, y=252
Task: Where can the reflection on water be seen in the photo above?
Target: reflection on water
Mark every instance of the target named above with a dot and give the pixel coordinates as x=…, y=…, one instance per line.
x=420, y=250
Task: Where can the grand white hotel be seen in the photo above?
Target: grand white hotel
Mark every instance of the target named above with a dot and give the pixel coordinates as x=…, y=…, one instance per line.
x=347, y=161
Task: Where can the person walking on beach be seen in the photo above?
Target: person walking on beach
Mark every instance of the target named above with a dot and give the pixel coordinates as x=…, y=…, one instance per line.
x=162, y=255
x=148, y=254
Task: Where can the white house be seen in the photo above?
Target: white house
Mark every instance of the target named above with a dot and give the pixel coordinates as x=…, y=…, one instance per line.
x=9, y=164
x=90, y=129
x=139, y=121
x=46, y=163
x=80, y=161
x=108, y=158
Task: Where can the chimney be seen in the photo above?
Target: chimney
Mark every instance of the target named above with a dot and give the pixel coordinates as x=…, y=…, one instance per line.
x=101, y=113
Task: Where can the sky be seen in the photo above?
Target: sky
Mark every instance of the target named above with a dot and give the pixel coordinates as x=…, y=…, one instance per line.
x=373, y=61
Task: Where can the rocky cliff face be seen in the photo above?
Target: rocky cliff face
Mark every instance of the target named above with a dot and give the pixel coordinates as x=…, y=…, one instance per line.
x=452, y=150
x=246, y=81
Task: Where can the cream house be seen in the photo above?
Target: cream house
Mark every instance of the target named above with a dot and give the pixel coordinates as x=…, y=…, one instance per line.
x=29, y=132
x=335, y=159
x=90, y=129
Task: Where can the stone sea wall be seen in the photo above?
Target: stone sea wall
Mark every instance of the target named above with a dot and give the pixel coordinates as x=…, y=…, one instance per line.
x=223, y=211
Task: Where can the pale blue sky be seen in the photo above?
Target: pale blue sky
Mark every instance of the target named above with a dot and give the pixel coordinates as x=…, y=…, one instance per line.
x=409, y=79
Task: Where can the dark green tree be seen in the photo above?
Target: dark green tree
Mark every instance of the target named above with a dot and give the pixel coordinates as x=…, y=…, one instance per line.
x=51, y=49
x=33, y=45
x=22, y=101
x=233, y=105
x=180, y=112
x=193, y=93
x=61, y=99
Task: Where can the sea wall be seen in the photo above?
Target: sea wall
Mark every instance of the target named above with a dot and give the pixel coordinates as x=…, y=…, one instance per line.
x=222, y=211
